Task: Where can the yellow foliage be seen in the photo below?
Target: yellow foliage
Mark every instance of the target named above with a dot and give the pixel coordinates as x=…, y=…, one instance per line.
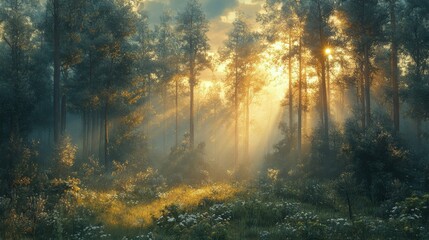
x=24, y=181
x=115, y=212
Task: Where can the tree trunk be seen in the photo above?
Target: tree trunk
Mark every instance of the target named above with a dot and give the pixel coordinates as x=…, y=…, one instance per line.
x=84, y=133
x=325, y=107
x=305, y=115
x=328, y=85
x=191, y=110
x=63, y=114
x=149, y=109
x=106, y=134
x=349, y=204
x=299, y=99
x=367, y=76
x=341, y=107
x=215, y=132
x=321, y=114
x=191, y=118
x=2, y=138
x=419, y=131
x=90, y=137
x=164, y=105
x=94, y=135
x=101, y=134
x=324, y=101
x=247, y=130
x=394, y=67
x=236, y=115
x=290, y=84
x=361, y=95
x=176, y=132
x=57, y=110
x=88, y=132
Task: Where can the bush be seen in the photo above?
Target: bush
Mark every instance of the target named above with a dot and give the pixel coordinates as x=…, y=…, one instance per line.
x=316, y=193
x=301, y=225
x=64, y=157
x=376, y=157
x=284, y=157
x=261, y=213
x=186, y=164
x=210, y=225
x=324, y=159
x=411, y=216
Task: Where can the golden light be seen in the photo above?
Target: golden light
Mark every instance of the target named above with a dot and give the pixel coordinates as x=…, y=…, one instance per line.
x=328, y=51
x=116, y=212
x=278, y=46
x=275, y=72
x=229, y=17
x=205, y=87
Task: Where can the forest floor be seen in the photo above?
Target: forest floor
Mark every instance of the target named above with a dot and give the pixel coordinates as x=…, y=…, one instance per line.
x=269, y=210
x=118, y=211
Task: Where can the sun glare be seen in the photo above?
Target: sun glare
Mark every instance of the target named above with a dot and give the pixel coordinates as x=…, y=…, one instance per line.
x=205, y=87
x=328, y=51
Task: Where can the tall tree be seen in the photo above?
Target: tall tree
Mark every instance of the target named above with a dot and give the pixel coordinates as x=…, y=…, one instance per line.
x=316, y=37
x=146, y=51
x=23, y=80
x=167, y=48
x=192, y=27
x=118, y=59
x=103, y=75
x=240, y=54
x=415, y=39
x=297, y=13
x=365, y=19
x=279, y=22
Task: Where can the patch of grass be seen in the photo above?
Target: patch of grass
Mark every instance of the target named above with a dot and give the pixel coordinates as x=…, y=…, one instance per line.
x=115, y=212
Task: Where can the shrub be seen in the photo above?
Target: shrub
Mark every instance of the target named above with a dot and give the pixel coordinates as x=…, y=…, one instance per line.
x=210, y=225
x=64, y=156
x=187, y=164
x=324, y=158
x=377, y=158
x=411, y=216
x=315, y=193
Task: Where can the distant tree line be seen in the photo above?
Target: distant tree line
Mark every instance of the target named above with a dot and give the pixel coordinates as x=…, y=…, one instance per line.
x=103, y=61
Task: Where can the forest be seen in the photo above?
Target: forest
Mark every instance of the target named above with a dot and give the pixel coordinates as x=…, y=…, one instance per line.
x=214, y=119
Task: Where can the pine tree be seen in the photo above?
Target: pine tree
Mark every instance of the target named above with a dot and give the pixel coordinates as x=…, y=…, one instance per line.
x=365, y=19
x=23, y=79
x=415, y=39
x=394, y=72
x=192, y=27
x=316, y=37
x=105, y=70
x=167, y=48
x=241, y=54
